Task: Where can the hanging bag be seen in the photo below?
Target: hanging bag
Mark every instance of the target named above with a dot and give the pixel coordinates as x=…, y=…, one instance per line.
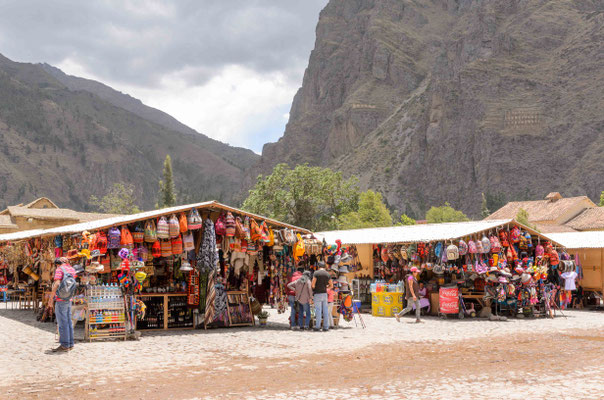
x=114, y=237
x=163, y=229
x=138, y=235
x=239, y=231
x=126, y=238
x=177, y=245
x=256, y=232
x=188, y=241
x=150, y=232
x=182, y=220
x=230, y=225
x=220, y=226
x=174, y=227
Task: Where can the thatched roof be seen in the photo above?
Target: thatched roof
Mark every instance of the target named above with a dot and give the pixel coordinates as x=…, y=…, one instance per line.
x=589, y=219
x=63, y=214
x=542, y=210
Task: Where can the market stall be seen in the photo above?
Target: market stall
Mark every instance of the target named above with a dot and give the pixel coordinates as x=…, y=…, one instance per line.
x=200, y=265
x=467, y=268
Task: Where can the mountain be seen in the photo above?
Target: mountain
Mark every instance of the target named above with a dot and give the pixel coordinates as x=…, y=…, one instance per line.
x=68, y=138
x=442, y=100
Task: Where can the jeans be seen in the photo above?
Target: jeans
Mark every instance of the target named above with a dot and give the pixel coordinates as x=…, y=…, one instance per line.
x=304, y=309
x=292, y=307
x=321, y=311
x=409, y=307
x=63, y=313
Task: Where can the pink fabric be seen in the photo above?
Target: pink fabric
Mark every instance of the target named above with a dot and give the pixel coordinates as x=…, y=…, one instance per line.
x=331, y=294
x=59, y=272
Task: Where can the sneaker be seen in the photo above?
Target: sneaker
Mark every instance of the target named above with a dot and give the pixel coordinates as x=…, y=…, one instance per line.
x=316, y=330
x=325, y=330
x=60, y=349
x=398, y=317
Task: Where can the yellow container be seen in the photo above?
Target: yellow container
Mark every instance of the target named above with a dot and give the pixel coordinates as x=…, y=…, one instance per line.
x=386, y=304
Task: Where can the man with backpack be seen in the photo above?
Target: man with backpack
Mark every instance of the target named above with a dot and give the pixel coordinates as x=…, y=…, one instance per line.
x=63, y=289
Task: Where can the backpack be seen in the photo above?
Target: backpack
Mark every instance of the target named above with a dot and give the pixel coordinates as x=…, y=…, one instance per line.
x=113, y=238
x=239, y=230
x=174, y=227
x=177, y=245
x=150, y=232
x=163, y=229
x=246, y=229
x=486, y=244
x=156, y=249
x=126, y=238
x=138, y=235
x=256, y=232
x=472, y=247
x=495, y=244
x=230, y=225
x=515, y=234
x=194, y=220
x=165, y=248
x=299, y=249
x=188, y=241
x=452, y=252
x=539, y=251
x=478, y=245
x=523, y=243
x=463, y=248
x=182, y=220
x=438, y=249
x=220, y=226
x=67, y=287
x=264, y=232
x=504, y=239
x=101, y=242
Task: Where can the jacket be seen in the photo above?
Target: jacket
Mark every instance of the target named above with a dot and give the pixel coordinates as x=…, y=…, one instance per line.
x=302, y=288
x=295, y=276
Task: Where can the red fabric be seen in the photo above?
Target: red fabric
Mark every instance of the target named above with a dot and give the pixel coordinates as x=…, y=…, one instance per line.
x=59, y=272
x=295, y=276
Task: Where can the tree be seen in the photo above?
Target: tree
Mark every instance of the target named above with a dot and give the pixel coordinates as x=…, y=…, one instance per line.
x=484, y=209
x=311, y=197
x=167, y=191
x=601, y=204
x=445, y=213
x=406, y=220
x=523, y=217
x=119, y=200
x=372, y=212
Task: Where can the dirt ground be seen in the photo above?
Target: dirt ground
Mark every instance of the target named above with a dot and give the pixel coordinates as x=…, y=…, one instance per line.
x=505, y=363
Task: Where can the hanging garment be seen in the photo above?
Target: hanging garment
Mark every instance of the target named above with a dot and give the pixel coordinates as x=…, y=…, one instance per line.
x=207, y=257
x=569, y=280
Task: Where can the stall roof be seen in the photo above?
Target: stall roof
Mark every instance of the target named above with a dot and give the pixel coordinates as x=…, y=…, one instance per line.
x=418, y=233
x=128, y=219
x=580, y=240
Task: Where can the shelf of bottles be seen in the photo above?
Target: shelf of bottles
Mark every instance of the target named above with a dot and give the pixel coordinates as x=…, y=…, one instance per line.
x=179, y=313
x=154, y=315
x=106, y=317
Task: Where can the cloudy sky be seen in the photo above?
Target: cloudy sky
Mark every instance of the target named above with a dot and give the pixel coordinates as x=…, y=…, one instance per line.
x=227, y=68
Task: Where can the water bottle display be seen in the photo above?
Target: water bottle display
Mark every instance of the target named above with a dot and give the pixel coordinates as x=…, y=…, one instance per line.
x=106, y=313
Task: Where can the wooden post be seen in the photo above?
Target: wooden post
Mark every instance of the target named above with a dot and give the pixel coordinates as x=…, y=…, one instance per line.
x=165, y=311
x=602, y=271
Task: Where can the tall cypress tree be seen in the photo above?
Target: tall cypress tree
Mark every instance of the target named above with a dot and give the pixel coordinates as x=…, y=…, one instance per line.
x=167, y=191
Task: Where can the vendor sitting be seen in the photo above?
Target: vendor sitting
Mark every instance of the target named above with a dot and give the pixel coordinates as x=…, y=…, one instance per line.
x=423, y=300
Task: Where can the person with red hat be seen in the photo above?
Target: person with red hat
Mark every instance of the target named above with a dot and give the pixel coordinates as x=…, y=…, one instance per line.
x=412, y=295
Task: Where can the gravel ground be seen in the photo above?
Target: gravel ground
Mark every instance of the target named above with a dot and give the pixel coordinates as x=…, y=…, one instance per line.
x=540, y=358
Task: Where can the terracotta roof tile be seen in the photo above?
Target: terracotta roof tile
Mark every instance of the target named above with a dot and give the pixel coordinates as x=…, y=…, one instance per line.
x=589, y=219
x=539, y=210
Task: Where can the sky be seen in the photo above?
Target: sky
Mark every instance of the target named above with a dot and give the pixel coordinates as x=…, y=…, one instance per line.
x=227, y=68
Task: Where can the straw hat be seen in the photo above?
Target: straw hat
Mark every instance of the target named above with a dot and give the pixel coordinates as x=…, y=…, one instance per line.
x=342, y=279
x=525, y=278
x=72, y=254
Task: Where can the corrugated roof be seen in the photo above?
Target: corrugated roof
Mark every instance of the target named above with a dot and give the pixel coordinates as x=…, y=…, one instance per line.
x=539, y=210
x=580, y=240
x=591, y=218
x=418, y=233
x=128, y=219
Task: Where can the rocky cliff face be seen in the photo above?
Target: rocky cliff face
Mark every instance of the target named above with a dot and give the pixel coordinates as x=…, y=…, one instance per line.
x=68, y=138
x=434, y=101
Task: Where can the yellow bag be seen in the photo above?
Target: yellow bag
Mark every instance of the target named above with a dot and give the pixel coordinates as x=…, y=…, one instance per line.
x=271, y=237
x=299, y=248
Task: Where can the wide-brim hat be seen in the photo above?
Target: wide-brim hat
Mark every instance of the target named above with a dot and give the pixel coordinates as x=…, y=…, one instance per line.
x=186, y=267
x=525, y=278
x=516, y=277
x=85, y=253
x=493, y=269
x=94, y=267
x=503, y=279
x=505, y=272
x=78, y=269
x=321, y=264
x=95, y=253
x=492, y=278
x=334, y=267
x=343, y=269
x=342, y=279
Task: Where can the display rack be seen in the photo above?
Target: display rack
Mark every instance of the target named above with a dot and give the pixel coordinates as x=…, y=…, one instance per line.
x=106, y=316
x=165, y=311
x=239, y=309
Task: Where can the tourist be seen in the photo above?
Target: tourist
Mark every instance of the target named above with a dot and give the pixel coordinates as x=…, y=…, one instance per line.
x=412, y=295
x=62, y=306
x=303, y=295
x=321, y=281
x=291, y=297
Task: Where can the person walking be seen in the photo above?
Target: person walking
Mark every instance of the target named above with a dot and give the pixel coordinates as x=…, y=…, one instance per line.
x=412, y=295
x=291, y=297
x=321, y=281
x=63, y=289
x=303, y=295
